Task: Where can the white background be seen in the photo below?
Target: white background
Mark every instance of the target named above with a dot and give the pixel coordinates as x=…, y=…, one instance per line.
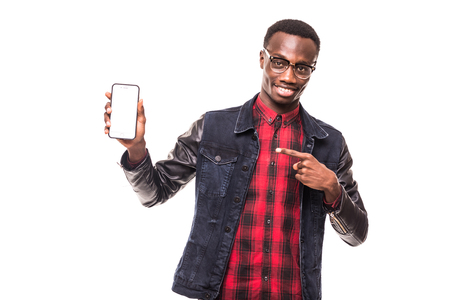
x=72, y=228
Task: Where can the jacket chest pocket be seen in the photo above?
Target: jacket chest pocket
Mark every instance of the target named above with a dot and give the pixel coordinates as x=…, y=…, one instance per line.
x=217, y=167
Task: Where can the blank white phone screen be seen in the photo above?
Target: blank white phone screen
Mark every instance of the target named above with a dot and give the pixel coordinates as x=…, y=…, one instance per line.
x=124, y=111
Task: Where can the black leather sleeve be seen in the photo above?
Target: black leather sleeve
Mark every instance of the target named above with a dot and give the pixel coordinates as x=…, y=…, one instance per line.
x=155, y=184
x=350, y=219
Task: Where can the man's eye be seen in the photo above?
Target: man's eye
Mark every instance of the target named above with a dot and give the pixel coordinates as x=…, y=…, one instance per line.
x=278, y=63
x=301, y=68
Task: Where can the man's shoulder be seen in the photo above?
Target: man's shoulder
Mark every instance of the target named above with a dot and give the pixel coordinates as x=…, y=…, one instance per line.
x=235, y=109
x=318, y=127
x=224, y=118
x=327, y=127
x=225, y=110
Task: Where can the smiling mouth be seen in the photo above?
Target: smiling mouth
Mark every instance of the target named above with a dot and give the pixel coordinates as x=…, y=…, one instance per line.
x=285, y=92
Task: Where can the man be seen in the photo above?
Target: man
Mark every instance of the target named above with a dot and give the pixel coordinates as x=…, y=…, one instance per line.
x=267, y=175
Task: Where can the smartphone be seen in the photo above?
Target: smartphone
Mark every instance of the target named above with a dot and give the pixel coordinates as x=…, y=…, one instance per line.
x=124, y=100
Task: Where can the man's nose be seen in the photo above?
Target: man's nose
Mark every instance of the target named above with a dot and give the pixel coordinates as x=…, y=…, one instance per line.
x=288, y=75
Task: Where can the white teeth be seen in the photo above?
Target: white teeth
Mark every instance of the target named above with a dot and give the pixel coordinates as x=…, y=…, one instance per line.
x=284, y=89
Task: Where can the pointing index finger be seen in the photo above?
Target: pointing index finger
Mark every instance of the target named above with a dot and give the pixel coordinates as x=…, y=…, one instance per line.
x=289, y=152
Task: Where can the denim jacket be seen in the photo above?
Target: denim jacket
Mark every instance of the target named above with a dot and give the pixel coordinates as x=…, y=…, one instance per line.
x=221, y=150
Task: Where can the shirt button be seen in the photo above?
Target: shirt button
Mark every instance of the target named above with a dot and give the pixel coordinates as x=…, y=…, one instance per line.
x=275, y=136
x=279, y=118
x=268, y=222
x=266, y=278
x=285, y=122
x=267, y=250
x=227, y=229
x=270, y=192
x=272, y=163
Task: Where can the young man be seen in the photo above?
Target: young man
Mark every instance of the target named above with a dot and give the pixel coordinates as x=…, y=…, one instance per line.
x=267, y=175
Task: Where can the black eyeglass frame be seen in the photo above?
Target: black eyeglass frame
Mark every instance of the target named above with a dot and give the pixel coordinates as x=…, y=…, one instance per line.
x=313, y=68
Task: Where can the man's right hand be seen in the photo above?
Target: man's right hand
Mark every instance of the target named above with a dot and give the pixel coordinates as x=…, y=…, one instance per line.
x=136, y=148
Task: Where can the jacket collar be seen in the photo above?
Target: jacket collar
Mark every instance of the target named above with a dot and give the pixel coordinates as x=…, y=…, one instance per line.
x=310, y=126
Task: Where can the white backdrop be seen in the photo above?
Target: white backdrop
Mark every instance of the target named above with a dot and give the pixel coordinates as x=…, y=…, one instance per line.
x=72, y=228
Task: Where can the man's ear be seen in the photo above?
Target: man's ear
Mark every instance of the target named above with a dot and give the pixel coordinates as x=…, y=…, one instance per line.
x=261, y=59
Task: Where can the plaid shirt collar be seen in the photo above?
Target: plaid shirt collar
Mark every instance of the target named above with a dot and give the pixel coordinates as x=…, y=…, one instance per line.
x=311, y=127
x=270, y=116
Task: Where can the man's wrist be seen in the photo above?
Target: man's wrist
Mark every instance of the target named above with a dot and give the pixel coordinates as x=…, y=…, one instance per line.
x=333, y=191
x=137, y=153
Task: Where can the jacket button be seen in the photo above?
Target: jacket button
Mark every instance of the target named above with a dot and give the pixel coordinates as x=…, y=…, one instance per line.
x=254, y=137
x=245, y=168
x=227, y=229
x=218, y=158
x=207, y=296
x=237, y=200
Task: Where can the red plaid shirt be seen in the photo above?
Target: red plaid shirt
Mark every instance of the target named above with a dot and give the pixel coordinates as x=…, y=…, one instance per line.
x=264, y=261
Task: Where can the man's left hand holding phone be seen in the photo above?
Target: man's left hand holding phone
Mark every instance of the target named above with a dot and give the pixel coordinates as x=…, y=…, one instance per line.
x=122, y=105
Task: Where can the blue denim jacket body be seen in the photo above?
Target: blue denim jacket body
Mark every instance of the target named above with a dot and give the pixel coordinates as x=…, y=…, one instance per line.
x=227, y=148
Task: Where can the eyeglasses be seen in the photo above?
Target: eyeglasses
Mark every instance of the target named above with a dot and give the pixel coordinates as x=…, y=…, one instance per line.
x=279, y=65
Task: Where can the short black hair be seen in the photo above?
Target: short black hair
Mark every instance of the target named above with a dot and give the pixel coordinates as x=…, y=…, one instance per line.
x=294, y=27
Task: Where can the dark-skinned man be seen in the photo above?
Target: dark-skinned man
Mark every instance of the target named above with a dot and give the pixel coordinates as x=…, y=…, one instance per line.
x=267, y=174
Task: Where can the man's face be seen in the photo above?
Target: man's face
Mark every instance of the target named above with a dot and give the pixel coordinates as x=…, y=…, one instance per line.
x=281, y=92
